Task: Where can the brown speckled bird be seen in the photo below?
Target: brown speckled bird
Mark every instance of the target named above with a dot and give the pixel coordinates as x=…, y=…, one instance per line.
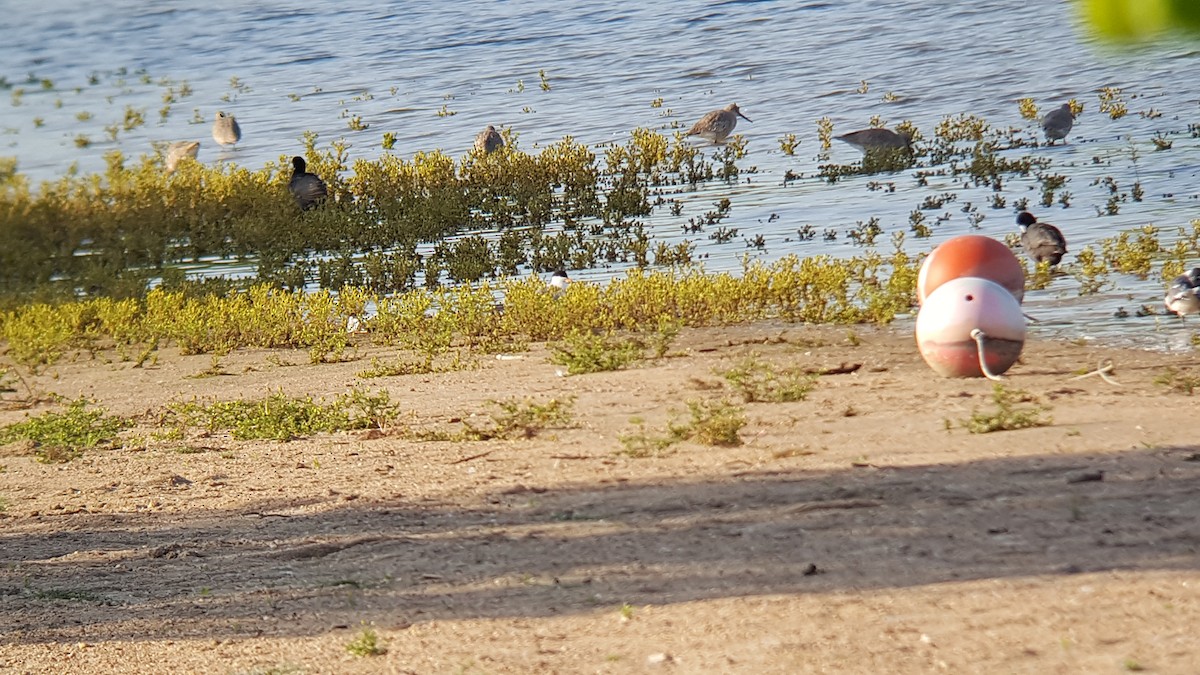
x=489, y=140
x=718, y=124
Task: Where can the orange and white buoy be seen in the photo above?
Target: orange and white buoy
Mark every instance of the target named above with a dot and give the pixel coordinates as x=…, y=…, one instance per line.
x=971, y=255
x=970, y=327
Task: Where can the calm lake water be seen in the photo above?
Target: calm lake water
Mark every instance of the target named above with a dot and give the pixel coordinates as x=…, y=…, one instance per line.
x=286, y=67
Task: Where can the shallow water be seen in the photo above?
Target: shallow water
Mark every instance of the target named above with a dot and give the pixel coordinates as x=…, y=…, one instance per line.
x=308, y=66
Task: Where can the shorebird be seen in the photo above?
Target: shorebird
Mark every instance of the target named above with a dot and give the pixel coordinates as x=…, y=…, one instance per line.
x=176, y=152
x=558, y=282
x=1058, y=122
x=1041, y=241
x=718, y=124
x=225, y=129
x=489, y=140
x=307, y=189
x=1183, y=295
x=877, y=140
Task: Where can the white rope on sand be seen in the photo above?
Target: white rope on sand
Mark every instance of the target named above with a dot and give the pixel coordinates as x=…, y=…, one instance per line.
x=1103, y=371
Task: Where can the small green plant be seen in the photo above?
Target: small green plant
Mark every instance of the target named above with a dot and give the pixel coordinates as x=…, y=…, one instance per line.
x=1112, y=103
x=659, y=342
x=758, y=380
x=69, y=594
x=133, y=118
x=626, y=611
x=586, y=352
x=366, y=643
x=1028, y=108
x=825, y=133
x=419, y=366
x=62, y=437
x=640, y=443
x=788, y=144
x=389, y=140
x=213, y=370
x=1008, y=414
x=526, y=418
x=713, y=422
x=1178, y=381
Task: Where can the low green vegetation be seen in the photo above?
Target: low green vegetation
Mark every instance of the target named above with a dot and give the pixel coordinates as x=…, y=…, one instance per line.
x=715, y=422
x=585, y=352
x=117, y=231
x=281, y=417
x=816, y=289
x=1178, y=381
x=757, y=380
x=421, y=365
x=69, y=594
x=1008, y=413
x=366, y=643
x=63, y=436
x=524, y=418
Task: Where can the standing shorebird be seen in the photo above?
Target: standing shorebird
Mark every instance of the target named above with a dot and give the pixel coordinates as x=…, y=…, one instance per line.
x=877, y=140
x=718, y=124
x=489, y=140
x=307, y=188
x=1183, y=295
x=558, y=282
x=225, y=129
x=1041, y=241
x=176, y=152
x=1058, y=122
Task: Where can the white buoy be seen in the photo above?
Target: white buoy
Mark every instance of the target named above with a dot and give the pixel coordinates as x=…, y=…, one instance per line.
x=970, y=327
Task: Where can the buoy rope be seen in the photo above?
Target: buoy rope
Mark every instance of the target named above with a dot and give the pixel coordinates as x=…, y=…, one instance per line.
x=979, y=336
x=1106, y=367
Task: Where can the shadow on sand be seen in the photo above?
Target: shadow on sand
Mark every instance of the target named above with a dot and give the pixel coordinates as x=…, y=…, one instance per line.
x=278, y=570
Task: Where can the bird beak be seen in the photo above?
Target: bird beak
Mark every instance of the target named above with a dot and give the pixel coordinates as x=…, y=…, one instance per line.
x=744, y=117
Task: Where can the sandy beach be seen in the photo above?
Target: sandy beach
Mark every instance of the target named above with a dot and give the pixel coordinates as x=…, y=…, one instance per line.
x=863, y=529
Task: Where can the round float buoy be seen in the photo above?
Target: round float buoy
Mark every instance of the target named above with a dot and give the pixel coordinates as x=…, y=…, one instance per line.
x=970, y=327
x=971, y=255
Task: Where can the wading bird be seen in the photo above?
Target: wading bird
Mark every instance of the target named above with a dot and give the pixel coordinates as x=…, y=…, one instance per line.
x=1183, y=295
x=225, y=129
x=177, y=151
x=1041, y=241
x=489, y=140
x=718, y=124
x=877, y=140
x=1058, y=122
x=307, y=188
